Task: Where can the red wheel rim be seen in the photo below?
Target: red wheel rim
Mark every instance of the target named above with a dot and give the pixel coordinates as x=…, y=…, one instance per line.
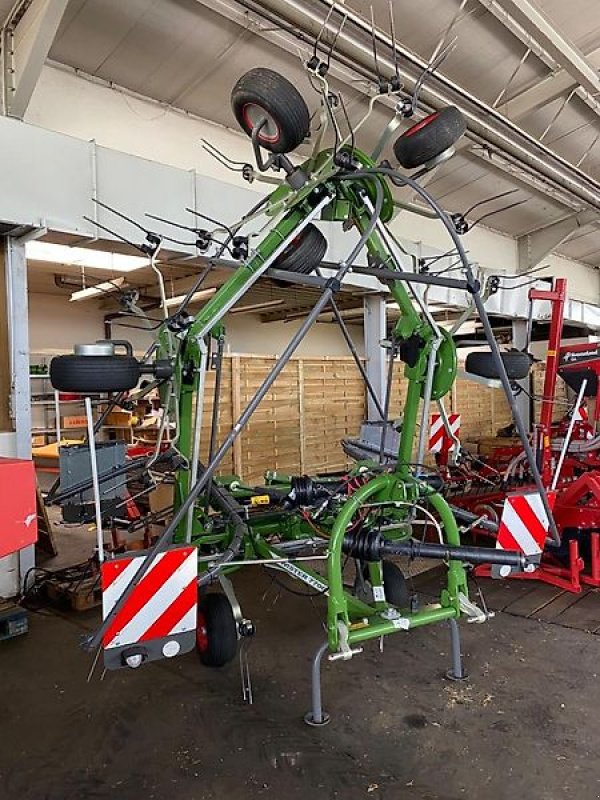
x=420, y=125
x=263, y=137
x=201, y=633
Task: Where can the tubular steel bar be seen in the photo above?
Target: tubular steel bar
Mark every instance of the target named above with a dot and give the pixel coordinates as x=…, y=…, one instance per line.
x=316, y=716
x=413, y=277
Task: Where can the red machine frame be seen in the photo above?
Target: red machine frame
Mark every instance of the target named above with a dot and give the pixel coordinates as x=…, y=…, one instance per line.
x=577, y=505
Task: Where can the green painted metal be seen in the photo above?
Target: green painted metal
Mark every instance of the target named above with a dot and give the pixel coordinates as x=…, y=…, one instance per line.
x=398, y=489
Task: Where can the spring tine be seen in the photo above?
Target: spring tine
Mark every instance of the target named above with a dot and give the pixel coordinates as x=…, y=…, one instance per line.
x=393, y=37
x=322, y=31
x=497, y=211
x=488, y=200
x=221, y=157
x=374, y=44
x=335, y=38
x=448, y=31
x=113, y=233
x=120, y=214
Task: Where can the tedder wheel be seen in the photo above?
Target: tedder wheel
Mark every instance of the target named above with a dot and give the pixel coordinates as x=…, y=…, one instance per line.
x=429, y=138
x=216, y=631
x=517, y=364
x=264, y=94
x=304, y=252
x=89, y=374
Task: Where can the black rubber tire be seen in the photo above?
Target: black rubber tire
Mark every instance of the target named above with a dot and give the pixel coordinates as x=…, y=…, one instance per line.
x=395, y=585
x=221, y=630
x=90, y=374
x=429, y=138
x=517, y=364
x=303, y=253
x=269, y=91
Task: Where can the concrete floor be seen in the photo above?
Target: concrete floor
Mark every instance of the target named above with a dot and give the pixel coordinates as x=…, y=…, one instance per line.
x=526, y=725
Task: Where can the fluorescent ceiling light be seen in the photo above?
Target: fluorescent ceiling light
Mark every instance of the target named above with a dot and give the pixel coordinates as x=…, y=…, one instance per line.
x=256, y=307
x=98, y=290
x=203, y=294
x=83, y=257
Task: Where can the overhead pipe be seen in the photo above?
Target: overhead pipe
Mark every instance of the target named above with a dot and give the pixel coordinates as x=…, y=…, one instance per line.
x=483, y=121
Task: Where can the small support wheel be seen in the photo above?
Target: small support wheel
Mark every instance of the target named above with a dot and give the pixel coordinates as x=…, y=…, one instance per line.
x=262, y=94
x=516, y=364
x=91, y=374
x=304, y=253
x=216, y=630
x=430, y=138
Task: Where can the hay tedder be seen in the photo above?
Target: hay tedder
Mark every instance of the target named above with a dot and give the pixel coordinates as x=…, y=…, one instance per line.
x=163, y=601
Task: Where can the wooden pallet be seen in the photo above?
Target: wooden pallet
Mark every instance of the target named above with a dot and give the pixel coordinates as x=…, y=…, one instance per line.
x=79, y=596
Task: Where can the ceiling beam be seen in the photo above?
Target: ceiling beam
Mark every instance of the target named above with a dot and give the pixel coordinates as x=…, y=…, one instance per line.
x=535, y=246
x=541, y=30
x=556, y=85
x=25, y=39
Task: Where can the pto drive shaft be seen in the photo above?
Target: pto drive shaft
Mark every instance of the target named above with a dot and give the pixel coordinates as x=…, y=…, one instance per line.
x=371, y=546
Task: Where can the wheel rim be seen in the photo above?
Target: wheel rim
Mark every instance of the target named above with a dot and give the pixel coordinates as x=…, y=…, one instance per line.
x=201, y=633
x=253, y=114
x=420, y=125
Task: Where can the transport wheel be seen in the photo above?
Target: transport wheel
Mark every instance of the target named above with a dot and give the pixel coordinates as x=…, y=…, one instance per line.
x=216, y=630
x=517, y=364
x=304, y=252
x=429, y=138
x=89, y=374
x=264, y=94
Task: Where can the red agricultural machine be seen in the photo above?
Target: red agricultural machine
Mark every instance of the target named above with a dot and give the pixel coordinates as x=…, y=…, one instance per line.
x=568, y=457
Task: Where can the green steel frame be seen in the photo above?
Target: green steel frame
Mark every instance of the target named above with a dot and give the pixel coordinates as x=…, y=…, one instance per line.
x=399, y=490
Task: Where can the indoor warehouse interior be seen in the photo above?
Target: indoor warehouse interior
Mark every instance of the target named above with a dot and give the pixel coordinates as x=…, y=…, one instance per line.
x=299, y=399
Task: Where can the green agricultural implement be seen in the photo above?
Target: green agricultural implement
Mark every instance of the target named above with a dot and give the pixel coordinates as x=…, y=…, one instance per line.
x=300, y=524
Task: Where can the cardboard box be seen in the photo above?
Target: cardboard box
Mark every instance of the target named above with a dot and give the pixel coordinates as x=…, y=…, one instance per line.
x=120, y=419
x=75, y=421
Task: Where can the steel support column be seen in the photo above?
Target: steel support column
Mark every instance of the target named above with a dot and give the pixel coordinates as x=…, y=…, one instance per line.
x=375, y=332
x=18, y=336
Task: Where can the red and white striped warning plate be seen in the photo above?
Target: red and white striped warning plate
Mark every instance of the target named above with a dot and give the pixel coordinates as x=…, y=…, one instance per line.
x=439, y=440
x=163, y=604
x=524, y=523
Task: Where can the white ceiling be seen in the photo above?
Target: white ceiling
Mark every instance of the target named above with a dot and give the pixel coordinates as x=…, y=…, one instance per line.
x=184, y=54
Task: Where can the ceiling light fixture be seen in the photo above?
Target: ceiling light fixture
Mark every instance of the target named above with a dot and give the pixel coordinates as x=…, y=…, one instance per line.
x=98, y=290
x=83, y=257
x=203, y=294
x=256, y=307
